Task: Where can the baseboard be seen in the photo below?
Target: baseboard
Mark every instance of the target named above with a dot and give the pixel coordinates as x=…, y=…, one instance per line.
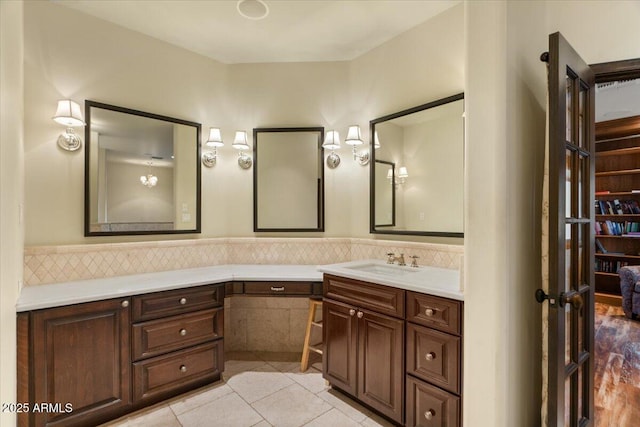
x=614, y=300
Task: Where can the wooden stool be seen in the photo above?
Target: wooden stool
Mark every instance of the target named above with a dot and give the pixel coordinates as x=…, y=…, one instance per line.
x=314, y=304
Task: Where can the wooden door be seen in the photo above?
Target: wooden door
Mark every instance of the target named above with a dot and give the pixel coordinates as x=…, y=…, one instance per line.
x=81, y=357
x=340, y=345
x=381, y=363
x=571, y=236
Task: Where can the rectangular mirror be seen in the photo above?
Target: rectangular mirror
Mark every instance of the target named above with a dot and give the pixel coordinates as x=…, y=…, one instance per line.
x=427, y=145
x=288, y=179
x=142, y=172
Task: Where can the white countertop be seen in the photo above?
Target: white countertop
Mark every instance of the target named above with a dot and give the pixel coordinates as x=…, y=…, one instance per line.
x=429, y=280
x=59, y=294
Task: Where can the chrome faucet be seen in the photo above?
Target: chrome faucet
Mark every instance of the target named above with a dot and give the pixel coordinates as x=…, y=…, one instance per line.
x=392, y=258
x=414, y=263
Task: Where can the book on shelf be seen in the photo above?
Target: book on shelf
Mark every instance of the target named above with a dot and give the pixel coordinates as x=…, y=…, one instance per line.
x=598, y=193
x=606, y=266
x=617, y=207
x=635, y=191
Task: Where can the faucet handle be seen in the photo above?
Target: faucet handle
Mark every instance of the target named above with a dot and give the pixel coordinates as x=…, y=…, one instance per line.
x=414, y=263
x=390, y=258
x=401, y=260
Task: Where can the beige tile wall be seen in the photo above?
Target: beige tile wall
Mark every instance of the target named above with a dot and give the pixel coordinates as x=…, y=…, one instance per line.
x=51, y=264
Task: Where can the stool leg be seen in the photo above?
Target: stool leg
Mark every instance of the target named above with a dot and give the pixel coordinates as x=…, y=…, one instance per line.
x=304, y=363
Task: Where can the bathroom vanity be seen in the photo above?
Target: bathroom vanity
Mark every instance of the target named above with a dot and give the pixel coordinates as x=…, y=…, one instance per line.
x=393, y=339
x=99, y=349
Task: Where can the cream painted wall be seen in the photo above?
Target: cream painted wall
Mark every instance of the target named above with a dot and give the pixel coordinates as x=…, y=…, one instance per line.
x=121, y=67
x=11, y=193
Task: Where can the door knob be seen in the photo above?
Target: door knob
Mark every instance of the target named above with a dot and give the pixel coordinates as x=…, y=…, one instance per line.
x=574, y=298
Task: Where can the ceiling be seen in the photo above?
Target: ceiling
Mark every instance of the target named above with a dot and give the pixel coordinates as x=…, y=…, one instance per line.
x=293, y=30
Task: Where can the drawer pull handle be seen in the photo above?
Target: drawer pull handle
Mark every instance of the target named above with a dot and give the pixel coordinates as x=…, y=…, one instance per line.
x=125, y=304
x=430, y=414
x=360, y=315
x=430, y=356
x=277, y=288
x=183, y=301
x=429, y=312
x=352, y=312
x=183, y=368
x=183, y=332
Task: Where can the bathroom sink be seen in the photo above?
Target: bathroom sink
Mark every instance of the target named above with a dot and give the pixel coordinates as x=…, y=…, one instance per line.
x=387, y=270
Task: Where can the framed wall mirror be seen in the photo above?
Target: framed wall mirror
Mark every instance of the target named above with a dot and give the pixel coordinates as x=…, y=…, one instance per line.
x=288, y=179
x=424, y=148
x=142, y=172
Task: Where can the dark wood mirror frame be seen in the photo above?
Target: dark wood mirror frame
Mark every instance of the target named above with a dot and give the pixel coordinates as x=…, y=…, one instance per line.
x=87, y=190
x=372, y=128
x=319, y=186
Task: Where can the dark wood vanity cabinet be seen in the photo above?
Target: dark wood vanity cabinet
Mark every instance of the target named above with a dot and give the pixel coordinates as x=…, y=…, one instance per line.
x=364, y=347
x=76, y=358
x=96, y=361
x=434, y=361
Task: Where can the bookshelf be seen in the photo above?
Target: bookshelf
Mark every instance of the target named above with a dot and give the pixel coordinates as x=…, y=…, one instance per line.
x=617, y=200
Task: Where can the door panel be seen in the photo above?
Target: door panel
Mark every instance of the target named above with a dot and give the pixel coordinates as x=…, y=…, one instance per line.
x=340, y=345
x=571, y=237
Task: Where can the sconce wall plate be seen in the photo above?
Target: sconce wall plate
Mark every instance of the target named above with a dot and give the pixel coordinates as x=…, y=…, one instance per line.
x=69, y=141
x=363, y=158
x=333, y=160
x=244, y=161
x=208, y=159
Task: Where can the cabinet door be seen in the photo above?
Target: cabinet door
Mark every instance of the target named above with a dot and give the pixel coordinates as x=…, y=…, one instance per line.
x=81, y=357
x=340, y=339
x=381, y=363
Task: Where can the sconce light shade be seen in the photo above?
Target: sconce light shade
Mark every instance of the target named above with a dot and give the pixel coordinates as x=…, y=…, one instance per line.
x=376, y=140
x=353, y=136
x=68, y=114
x=390, y=174
x=331, y=140
x=215, y=138
x=240, y=141
x=402, y=173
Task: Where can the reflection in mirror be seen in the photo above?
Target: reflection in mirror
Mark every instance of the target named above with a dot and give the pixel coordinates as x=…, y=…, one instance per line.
x=142, y=172
x=288, y=185
x=428, y=142
x=385, y=211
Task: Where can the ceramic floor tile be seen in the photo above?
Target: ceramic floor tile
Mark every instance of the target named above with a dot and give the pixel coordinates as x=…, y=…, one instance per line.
x=191, y=401
x=374, y=420
x=258, y=383
x=230, y=410
x=161, y=417
x=332, y=418
x=234, y=367
x=292, y=406
x=344, y=404
x=311, y=380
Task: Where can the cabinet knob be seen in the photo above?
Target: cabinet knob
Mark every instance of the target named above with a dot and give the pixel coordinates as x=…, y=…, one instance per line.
x=183, y=368
x=183, y=332
x=125, y=303
x=360, y=315
x=183, y=301
x=429, y=312
x=430, y=414
x=430, y=356
x=352, y=312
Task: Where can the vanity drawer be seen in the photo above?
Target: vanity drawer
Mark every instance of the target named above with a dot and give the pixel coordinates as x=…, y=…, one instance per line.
x=379, y=298
x=168, y=303
x=434, y=356
x=165, y=375
x=160, y=336
x=435, y=312
x=428, y=406
x=279, y=288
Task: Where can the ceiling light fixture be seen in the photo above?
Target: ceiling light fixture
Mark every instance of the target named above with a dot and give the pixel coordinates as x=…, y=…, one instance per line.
x=252, y=9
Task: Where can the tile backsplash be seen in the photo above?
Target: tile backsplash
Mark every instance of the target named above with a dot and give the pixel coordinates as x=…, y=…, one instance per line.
x=51, y=264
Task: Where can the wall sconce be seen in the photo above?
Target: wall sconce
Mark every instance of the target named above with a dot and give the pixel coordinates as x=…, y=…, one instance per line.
x=332, y=142
x=209, y=158
x=69, y=115
x=240, y=143
x=376, y=140
x=354, y=138
x=149, y=180
x=400, y=178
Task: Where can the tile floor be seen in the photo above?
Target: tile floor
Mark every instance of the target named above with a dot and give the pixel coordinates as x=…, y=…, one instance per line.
x=258, y=389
